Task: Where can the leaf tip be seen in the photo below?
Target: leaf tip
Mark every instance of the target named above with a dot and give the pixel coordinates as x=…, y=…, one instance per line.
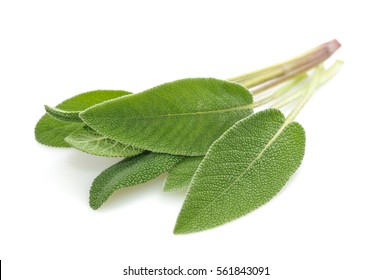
x=178, y=230
x=94, y=205
x=183, y=226
x=94, y=202
x=48, y=109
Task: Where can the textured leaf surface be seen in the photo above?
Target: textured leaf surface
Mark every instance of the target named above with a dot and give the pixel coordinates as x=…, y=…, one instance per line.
x=52, y=132
x=129, y=172
x=87, y=140
x=63, y=115
x=179, y=177
x=243, y=169
x=183, y=117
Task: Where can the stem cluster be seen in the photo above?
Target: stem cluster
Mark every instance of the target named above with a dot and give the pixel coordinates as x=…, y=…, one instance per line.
x=292, y=74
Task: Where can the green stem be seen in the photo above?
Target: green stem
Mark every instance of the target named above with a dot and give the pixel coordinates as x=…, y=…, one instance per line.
x=314, y=84
x=289, y=68
x=326, y=76
x=281, y=91
x=272, y=83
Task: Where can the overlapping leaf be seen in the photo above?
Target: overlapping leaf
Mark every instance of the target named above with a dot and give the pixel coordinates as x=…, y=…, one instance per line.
x=63, y=115
x=179, y=177
x=183, y=117
x=52, y=132
x=243, y=169
x=130, y=172
x=87, y=140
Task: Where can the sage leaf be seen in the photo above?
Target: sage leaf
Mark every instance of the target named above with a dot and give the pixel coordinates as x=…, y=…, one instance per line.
x=183, y=117
x=87, y=140
x=243, y=169
x=52, y=132
x=130, y=172
x=62, y=115
x=179, y=177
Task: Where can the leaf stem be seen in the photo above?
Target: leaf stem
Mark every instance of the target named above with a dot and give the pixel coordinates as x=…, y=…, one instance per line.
x=272, y=83
x=325, y=77
x=281, y=91
x=283, y=71
x=313, y=85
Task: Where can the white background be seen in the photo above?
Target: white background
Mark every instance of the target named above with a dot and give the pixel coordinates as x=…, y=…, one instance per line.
x=332, y=221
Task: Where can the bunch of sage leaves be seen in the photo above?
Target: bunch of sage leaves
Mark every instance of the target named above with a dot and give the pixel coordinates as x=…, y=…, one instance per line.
x=202, y=131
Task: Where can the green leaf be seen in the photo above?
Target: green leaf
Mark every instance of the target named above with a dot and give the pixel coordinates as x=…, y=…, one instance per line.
x=52, y=132
x=62, y=115
x=183, y=117
x=243, y=170
x=87, y=140
x=129, y=172
x=179, y=177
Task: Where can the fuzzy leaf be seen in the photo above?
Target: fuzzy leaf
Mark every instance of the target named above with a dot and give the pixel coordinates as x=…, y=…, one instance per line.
x=87, y=140
x=182, y=117
x=129, y=172
x=243, y=169
x=179, y=177
x=52, y=132
x=63, y=115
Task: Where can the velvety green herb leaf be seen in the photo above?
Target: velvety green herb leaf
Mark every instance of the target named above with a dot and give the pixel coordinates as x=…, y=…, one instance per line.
x=52, y=132
x=179, y=177
x=182, y=117
x=129, y=172
x=243, y=169
x=87, y=140
x=62, y=115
